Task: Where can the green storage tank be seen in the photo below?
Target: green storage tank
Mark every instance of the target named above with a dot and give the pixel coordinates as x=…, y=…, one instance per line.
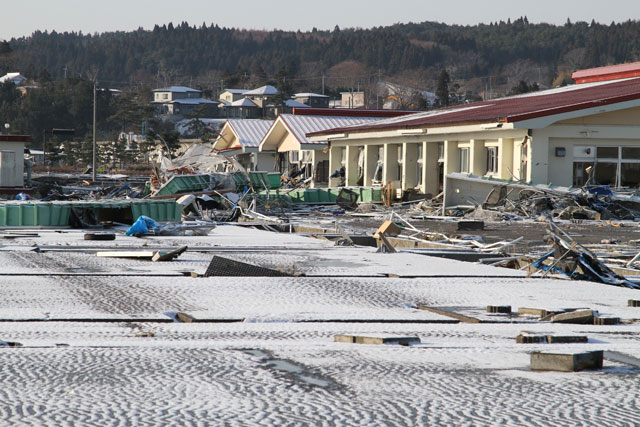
x=43, y=213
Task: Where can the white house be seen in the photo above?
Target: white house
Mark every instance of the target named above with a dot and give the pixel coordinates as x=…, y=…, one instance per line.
x=182, y=100
x=287, y=137
x=564, y=136
x=241, y=138
x=15, y=78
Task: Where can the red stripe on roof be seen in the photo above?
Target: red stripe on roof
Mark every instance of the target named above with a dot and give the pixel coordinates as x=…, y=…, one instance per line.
x=347, y=112
x=16, y=138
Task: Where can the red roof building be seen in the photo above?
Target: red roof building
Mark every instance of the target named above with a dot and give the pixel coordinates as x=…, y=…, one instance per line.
x=568, y=136
x=611, y=72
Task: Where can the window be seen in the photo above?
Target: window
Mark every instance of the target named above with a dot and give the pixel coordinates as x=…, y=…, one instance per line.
x=440, y=151
x=463, y=155
x=614, y=166
x=581, y=173
x=399, y=162
x=420, y=165
x=294, y=156
x=492, y=160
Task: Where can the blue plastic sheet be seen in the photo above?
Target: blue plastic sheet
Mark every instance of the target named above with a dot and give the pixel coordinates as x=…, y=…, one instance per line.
x=143, y=225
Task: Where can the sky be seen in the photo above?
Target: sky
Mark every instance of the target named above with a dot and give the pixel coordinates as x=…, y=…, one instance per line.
x=121, y=15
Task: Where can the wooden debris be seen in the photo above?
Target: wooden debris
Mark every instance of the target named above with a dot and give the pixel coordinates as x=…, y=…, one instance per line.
x=448, y=313
x=144, y=255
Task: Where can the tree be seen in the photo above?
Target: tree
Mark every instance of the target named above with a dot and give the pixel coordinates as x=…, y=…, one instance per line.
x=442, y=90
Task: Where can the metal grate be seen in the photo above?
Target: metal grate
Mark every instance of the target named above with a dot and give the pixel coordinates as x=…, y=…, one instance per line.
x=220, y=266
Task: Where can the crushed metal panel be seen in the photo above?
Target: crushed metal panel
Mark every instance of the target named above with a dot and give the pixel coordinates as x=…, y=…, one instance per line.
x=220, y=266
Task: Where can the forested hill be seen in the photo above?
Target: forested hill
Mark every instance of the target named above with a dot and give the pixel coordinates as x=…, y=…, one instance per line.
x=211, y=56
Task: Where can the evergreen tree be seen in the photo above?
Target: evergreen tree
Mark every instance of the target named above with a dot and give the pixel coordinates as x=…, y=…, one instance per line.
x=442, y=90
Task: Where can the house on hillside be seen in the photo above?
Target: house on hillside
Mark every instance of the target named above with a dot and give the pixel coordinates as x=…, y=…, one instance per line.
x=395, y=97
x=298, y=154
x=313, y=100
x=231, y=95
x=587, y=132
x=182, y=101
x=352, y=99
x=262, y=95
x=15, y=78
x=241, y=138
x=243, y=108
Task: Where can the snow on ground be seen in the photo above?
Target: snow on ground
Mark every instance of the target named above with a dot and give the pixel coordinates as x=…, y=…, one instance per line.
x=272, y=366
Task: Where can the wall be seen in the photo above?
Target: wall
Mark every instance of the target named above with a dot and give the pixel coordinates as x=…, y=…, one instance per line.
x=11, y=175
x=462, y=189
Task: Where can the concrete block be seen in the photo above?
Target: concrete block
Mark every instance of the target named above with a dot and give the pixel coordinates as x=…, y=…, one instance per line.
x=570, y=339
x=359, y=339
x=505, y=309
x=606, y=321
x=344, y=338
x=531, y=339
x=566, y=362
x=634, y=303
x=184, y=318
x=580, y=317
x=470, y=225
x=540, y=312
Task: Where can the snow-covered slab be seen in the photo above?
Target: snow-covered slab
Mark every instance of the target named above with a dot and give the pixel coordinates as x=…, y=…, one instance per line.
x=225, y=374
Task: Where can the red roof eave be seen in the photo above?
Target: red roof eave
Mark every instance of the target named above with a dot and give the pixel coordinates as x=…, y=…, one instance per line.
x=570, y=108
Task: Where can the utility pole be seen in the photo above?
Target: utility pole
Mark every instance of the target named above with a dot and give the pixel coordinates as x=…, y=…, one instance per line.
x=93, y=168
x=323, y=83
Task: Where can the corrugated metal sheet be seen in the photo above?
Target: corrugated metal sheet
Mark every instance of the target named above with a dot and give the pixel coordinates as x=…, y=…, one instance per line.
x=250, y=132
x=514, y=108
x=300, y=126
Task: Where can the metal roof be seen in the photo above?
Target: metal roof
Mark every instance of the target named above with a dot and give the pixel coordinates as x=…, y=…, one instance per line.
x=609, y=72
x=193, y=101
x=244, y=102
x=309, y=95
x=293, y=103
x=512, y=109
x=180, y=89
x=262, y=91
x=239, y=91
x=300, y=126
x=250, y=132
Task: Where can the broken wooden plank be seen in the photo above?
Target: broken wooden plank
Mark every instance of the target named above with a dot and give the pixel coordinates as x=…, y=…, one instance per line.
x=168, y=256
x=448, y=313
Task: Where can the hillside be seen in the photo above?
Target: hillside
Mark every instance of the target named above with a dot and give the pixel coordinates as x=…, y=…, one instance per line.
x=482, y=58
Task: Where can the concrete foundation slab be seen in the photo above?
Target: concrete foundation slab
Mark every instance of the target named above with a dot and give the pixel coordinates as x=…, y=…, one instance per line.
x=566, y=362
